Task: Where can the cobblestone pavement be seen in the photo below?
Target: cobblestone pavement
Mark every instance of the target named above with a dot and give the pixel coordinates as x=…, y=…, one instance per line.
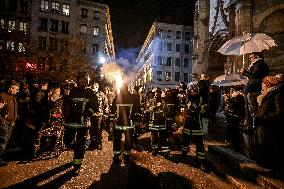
x=98, y=172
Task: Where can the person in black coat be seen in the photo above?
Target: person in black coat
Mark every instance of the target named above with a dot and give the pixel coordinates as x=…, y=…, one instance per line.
x=269, y=121
x=256, y=71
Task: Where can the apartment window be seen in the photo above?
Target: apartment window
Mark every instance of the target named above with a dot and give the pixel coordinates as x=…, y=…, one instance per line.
x=55, y=7
x=177, y=63
x=95, y=49
x=44, y=5
x=23, y=27
x=21, y=47
x=42, y=43
x=186, y=48
x=169, y=34
x=185, y=77
x=84, y=13
x=96, y=31
x=97, y=15
x=178, y=34
x=177, y=76
x=160, y=46
x=43, y=24
x=160, y=33
x=83, y=29
x=169, y=47
x=64, y=27
x=65, y=9
x=53, y=43
x=160, y=60
x=187, y=36
x=54, y=25
x=23, y=6
x=11, y=25
x=178, y=47
x=159, y=75
x=168, y=76
x=10, y=45
x=169, y=61
x=2, y=23
x=186, y=62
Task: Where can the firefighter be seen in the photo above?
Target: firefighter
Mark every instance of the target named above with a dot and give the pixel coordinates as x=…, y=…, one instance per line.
x=77, y=112
x=192, y=129
x=158, y=127
x=123, y=103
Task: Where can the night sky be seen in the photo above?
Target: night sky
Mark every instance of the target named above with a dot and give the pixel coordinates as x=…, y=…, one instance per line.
x=132, y=20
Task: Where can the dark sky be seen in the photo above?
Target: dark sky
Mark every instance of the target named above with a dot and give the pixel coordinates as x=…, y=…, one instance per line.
x=132, y=19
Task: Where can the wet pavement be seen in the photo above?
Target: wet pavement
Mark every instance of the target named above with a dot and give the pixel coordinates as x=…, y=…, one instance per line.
x=97, y=171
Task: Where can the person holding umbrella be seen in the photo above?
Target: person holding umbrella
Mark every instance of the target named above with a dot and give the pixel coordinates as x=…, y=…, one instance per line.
x=256, y=71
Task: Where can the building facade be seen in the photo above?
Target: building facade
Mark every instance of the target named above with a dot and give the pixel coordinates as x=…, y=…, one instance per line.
x=165, y=58
x=220, y=20
x=52, y=24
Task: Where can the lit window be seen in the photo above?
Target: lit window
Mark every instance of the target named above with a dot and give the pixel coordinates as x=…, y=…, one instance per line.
x=65, y=9
x=23, y=27
x=2, y=23
x=44, y=5
x=160, y=33
x=10, y=45
x=168, y=76
x=11, y=25
x=55, y=7
x=83, y=28
x=96, y=31
x=21, y=47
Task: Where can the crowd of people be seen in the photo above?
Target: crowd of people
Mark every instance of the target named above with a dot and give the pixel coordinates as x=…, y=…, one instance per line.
x=84, y=109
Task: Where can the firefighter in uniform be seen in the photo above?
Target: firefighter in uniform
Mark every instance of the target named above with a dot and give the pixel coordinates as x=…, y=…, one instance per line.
x=157, y=126
x=77, y=112
x=192, y=129
x=123, y=125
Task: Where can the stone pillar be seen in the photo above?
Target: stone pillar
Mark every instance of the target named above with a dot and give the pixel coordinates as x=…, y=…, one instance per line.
x=243, y=19
x=201, y=34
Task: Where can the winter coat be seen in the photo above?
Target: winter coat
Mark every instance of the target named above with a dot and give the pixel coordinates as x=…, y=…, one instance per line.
x=255, y=74
x=269, y=128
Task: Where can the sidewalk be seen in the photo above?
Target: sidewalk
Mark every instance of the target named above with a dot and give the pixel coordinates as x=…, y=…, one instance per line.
x=239, y=169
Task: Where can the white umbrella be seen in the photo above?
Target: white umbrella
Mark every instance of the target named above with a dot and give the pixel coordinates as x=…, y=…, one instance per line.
x=247, y=43
x=228, y=80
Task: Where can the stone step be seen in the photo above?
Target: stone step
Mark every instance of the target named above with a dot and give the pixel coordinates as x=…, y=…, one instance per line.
x=240, y=170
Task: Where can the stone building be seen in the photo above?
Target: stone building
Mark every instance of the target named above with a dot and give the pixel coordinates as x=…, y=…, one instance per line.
x=220, y=20
x=52, y=24
x=165, y=58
